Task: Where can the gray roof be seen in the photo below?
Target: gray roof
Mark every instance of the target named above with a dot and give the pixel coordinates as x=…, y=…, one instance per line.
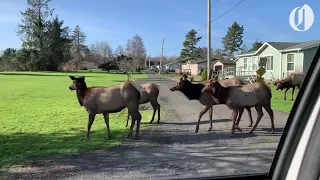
x=172, y=62
x=282, y=45
x=196, y=61
x=224, y=61
x=304, y=45
x=250, y=52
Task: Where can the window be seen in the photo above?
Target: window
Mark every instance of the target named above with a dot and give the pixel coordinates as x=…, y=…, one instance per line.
x=269, y=64
x=254, y=63
x=245, y=63
x=290, y=62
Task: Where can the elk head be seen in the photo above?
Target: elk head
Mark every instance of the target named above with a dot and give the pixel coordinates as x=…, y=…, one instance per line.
x=78, y=83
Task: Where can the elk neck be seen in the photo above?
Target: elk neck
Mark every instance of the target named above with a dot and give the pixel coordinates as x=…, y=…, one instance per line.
x=193, y=91
x=222, y=93
x=81, y=93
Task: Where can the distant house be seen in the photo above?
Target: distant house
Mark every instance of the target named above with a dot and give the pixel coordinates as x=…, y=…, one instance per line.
x=224, y=67
x=172, y=65
x=283, y=58
x=194, y=66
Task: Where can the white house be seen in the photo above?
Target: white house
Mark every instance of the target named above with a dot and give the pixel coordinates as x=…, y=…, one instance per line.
x=283, y=58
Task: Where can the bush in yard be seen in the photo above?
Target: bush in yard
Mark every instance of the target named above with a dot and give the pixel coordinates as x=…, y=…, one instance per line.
x=110, y=65
x=166, y=71
x=204, y=74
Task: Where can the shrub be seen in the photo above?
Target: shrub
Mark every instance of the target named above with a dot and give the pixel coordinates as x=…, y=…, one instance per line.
x=166, y=71
x=204, y=74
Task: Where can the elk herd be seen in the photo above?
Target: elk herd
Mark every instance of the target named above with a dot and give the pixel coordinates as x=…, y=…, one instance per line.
x=233, y=93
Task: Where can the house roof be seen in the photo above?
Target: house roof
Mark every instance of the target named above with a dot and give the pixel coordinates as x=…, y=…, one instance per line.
x=171, y=62
x=224, y=61
x=283, y=47
x=196, y=61
x=304, y=45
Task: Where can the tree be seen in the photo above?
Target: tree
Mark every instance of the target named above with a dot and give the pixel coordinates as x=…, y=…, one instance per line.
x=136, y=50
x=33, y=27
x=219, y=54
x=102, y=51
x=244, y=49
x=232, y=41
x=59, y=44
x=127, y=65
x=119, y=51
x=110, y=65
x=256, y=45
x=189, y=46
x=78, y=49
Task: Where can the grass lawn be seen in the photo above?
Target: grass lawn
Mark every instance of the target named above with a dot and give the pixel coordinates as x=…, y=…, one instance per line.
x=278, y=102
x=41, y=116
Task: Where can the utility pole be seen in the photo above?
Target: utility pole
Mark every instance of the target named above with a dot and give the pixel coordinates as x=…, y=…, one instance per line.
x=149, y=60
x=209, y=41
x=160, y=68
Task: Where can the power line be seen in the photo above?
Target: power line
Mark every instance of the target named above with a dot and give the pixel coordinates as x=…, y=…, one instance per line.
x=211, y=21
x=227, y=11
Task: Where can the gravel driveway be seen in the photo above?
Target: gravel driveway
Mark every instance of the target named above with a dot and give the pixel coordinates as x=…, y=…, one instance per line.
x=172, y=148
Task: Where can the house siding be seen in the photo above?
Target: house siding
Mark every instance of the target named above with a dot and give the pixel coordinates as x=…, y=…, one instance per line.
x=269, y=51
x=298, y=63
x=308, y=57
x=192, y=68
x=173, y=66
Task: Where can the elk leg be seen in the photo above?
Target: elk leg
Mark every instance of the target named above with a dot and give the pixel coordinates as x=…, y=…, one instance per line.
x=131, y=127
x=90, y=121
x=158, y=113
x=239, y=115
x=234, y=124
x=292, y=92
x=210, y=117
x=202, y=112
x=285, y=94
x=138, y=118
x=154, y=112
x=106, y=120
x=128, y=118
x=260, y=114
x=250, y=117
x=267, y=107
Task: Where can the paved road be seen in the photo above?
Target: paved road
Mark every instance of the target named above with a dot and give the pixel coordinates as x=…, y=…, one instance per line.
x=172, y=148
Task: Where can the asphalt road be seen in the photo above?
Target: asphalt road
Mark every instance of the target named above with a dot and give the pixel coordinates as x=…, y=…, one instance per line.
x=171, y=148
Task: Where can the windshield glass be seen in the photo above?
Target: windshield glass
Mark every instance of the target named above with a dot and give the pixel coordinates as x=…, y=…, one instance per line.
x=140, y=89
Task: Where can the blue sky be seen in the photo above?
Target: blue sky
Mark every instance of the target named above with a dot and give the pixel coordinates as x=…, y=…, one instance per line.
x=115, y=21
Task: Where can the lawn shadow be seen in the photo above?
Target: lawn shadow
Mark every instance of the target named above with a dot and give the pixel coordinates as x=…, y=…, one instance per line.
x=20, y=146
x=35, y=74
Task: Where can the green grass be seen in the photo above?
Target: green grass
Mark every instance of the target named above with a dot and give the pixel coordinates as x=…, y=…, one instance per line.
x=41, y=116
x=278, y=102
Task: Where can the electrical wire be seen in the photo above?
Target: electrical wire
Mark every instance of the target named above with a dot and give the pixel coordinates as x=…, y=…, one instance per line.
x=211, y=21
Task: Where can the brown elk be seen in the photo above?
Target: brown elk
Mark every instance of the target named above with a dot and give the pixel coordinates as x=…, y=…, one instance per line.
x=149, y=93
x=292, y=81
x=106, y=100
x=237, y=98
x=193, y=92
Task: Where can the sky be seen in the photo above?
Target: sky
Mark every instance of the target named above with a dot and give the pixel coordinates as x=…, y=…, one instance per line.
x=116, y=21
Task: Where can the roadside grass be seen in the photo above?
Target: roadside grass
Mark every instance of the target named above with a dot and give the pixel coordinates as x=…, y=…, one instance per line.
x=40, y=116
x=278, y=102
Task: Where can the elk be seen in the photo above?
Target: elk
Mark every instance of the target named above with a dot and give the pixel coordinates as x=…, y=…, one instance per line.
x=292, y=81
x=193, y=92
x=237, y=98
x=149, y=93
x=106, y=100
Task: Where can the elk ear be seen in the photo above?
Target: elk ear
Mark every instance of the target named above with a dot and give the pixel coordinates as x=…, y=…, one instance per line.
x=72, y=77
x=82, y=78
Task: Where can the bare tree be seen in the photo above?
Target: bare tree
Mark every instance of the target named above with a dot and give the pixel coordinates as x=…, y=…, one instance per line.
x=101, y=52
x=127, y=65
x=136, y=50
x=119, y=51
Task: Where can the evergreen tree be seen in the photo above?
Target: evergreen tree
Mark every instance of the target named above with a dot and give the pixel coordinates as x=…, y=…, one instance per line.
x=189, y=47
x=232, y=41
x=33, y=28
x=256, y=45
